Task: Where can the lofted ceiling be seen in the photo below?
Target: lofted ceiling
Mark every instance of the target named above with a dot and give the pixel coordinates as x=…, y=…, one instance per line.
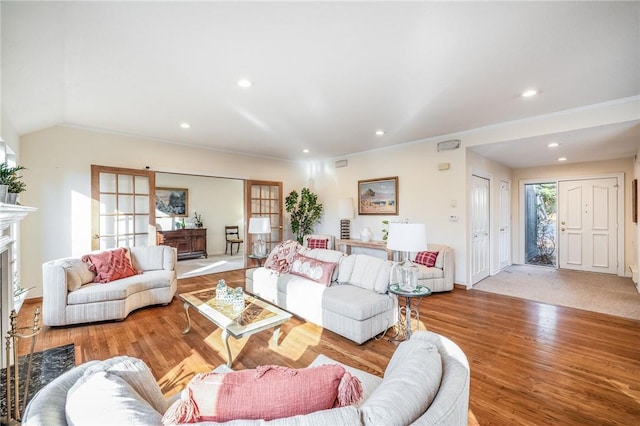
x=325, y=75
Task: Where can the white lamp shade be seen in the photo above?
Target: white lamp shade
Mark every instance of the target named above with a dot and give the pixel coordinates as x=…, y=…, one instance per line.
x=409, y=237
x=259, y=225
x=345, y=208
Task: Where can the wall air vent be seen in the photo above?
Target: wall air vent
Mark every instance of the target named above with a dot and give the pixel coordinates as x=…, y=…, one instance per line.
x=449, y=145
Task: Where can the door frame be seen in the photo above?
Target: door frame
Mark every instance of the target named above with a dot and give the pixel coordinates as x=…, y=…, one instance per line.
x=519, y=254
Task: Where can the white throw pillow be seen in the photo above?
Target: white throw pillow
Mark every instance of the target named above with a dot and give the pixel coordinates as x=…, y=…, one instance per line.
x=78, y=273
x=410, y=384
x=103, y=398
x=137, y=374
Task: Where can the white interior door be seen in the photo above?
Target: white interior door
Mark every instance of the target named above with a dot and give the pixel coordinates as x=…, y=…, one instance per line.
x=505, y=225
x=479, y=228
x=587, y=218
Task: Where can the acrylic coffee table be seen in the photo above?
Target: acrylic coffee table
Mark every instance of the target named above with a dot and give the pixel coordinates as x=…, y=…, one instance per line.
x=256, y=316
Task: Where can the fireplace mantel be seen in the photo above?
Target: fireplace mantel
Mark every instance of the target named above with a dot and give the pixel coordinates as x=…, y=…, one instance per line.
x=13, y=213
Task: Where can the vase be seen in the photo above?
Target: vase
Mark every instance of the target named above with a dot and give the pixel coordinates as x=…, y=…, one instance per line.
x=11, y=198
x=365, y=234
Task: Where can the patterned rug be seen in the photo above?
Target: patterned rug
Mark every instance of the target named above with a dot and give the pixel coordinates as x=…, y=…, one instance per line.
x=45, y=367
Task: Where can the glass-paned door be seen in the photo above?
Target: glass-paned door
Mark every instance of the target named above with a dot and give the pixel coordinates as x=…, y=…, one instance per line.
x=122, y=212
x=264, y=199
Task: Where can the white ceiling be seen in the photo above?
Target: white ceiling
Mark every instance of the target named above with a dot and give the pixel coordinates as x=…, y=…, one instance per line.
x=325, y=75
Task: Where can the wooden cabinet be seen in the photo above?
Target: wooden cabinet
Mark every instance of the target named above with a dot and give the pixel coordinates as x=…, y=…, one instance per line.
x=190, y=243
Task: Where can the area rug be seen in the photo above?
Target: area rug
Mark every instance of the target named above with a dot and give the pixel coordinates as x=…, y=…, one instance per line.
x=45, y=367
x=604, y=293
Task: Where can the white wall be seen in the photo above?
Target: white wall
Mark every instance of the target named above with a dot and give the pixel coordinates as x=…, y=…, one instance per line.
x=59, y=184
x=425, y=193
x=220, y=202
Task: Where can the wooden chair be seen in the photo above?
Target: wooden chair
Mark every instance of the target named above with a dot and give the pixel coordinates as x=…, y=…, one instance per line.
x=232, y=235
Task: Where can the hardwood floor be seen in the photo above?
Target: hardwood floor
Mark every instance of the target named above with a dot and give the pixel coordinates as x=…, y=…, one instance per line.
x=531, y=363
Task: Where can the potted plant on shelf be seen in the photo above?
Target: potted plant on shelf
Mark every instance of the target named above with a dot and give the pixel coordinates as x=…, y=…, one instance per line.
x=305, y=212
x=10, y=183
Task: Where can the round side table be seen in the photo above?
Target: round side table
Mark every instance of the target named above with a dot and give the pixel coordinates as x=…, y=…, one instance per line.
x=259, y=259
x=420, y=291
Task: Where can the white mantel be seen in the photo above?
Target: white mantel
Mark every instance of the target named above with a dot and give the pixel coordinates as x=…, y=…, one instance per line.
x=13, y=213
x=9, y=214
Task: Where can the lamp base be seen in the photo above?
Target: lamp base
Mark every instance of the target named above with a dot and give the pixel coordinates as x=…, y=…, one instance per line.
x=345, y=229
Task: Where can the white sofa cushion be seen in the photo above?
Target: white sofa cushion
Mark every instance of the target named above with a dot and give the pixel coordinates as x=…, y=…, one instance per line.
x=78, y=273
x=120, y=289
x=152, y=258
x=340, y=299
x=137, y=374
x=104, y=398
x=411, y=382
x=368, y=272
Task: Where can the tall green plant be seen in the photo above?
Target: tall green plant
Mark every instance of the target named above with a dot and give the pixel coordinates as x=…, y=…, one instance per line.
x=305, y=212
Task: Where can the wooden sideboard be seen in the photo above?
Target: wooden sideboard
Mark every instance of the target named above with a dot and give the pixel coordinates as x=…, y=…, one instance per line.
x=377, y=245
x=190, y=243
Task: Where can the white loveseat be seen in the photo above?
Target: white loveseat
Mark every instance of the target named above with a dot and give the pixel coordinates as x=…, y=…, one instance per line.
x=92, y=302
x=439, y=277
x=425, y=383
x=356, y=305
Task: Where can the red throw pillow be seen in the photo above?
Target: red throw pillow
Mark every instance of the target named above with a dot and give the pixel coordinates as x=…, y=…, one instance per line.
x=268, y=392
x=314, y=269
x=110, y=265
x=427, y=258
x=316, y=243
x=281, y=256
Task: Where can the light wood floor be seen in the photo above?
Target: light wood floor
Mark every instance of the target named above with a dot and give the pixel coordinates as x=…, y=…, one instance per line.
x=531, y=364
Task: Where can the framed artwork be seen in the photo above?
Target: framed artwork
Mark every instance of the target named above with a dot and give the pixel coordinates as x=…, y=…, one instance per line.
x=172, y=202
x=378, y=196
x=634, y=200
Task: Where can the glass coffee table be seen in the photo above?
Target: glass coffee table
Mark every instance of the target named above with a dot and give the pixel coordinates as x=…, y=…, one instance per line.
x=256, y=316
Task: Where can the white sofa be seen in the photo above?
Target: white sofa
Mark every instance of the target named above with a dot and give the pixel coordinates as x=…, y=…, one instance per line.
x=425, y=383
x=440, y=276
x=111, y=301
x=356, y=305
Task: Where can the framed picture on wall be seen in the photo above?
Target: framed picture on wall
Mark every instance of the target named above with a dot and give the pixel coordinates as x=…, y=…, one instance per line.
x=172, y=202
x=378, y=196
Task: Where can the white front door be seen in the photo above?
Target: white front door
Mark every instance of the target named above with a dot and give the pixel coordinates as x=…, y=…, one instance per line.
x=588, y=222
x=505, y=225
x=479, y=228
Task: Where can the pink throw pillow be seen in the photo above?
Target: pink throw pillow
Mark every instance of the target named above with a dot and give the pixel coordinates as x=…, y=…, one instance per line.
x=316, y=243
x=110, y=265
x=427, y=258
x=314, y=269
x=268, y=392
x=281, y=256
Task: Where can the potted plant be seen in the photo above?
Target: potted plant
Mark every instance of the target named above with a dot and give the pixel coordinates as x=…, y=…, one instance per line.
x=305, y=212
x=10, y=183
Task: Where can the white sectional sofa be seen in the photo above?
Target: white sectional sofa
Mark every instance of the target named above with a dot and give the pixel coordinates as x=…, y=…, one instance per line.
x=425, y=383
x=356, y=305
x=70, y=297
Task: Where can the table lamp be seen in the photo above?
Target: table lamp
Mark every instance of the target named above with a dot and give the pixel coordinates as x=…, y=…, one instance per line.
x=407, y=238
x=259, y=226
x=345, y=213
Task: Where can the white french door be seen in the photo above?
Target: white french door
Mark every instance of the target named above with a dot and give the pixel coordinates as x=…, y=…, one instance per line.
x=480, y=240
x=588, y=224
x=122, y=207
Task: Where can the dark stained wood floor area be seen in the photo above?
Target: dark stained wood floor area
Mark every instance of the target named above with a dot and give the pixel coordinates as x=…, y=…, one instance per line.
x=531, y=363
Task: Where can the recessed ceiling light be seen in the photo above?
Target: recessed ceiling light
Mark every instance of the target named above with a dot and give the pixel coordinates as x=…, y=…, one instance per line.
x=529, y=93
x=562, y=159
x=553, y=145
x=306, y=151
x=380, y=132
x=185, y=125
x=244, y=83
